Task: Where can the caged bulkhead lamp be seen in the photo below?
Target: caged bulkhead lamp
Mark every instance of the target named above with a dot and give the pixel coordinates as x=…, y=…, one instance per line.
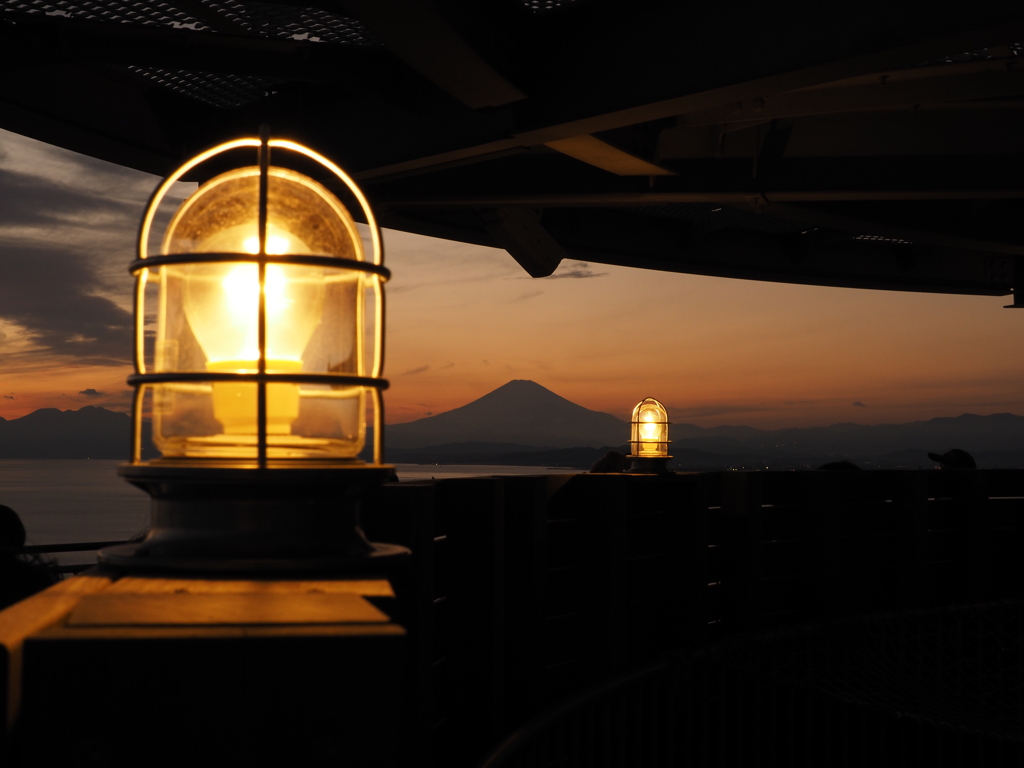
x=257, y=387
x=648, y=438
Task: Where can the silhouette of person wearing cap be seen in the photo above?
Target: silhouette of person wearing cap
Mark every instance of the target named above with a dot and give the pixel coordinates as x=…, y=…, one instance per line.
x=611, y=462
x=20, y=575
x=954, y=459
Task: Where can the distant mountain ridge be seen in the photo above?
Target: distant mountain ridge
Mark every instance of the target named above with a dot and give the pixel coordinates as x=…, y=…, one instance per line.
x=973, y=433
x=520, y=412
x=522, y=422
x=525, y=413
x=49, y=433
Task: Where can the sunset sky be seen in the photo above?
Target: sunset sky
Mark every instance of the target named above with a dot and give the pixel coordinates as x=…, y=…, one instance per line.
x=464, y=320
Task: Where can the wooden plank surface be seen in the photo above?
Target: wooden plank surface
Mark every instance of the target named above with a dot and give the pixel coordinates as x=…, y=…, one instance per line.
x=217, y=631
x=145, y=585
x=182, y=608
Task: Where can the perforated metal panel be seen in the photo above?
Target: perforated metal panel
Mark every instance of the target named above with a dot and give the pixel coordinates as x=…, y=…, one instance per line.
x=546, y=6
x=1016, y=49
x=223, y=91
x=312, y=24
x=262, y=19
x=149, y=14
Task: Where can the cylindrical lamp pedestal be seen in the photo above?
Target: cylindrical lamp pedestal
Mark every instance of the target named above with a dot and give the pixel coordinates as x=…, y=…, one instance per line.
x=241, y=518
x=648, y=465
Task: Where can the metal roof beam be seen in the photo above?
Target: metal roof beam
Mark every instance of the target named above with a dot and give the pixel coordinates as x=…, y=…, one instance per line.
x=917, y=86
x=817, y=218
x=418, y=34
x=823, y=257
x=891, y=133
x=850, y=265
x=601, y=154
x=632, y=199
x=518, y=231
x=540, y=109
x=104, y=137
x=827, y=258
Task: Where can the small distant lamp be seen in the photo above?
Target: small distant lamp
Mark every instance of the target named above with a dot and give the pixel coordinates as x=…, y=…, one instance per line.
x=257, y=390
x=649, y=438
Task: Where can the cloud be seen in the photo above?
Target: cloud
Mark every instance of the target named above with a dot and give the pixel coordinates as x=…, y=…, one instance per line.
x=27, y=201
x=578, y=271
x=446, y=366
x=528, y=295
x=858, y=404
x=714, y=410
x=799, y=402
x=53, y=293
x=414, y=371
x=10, y=397
x=67, y=225
x=90, y=392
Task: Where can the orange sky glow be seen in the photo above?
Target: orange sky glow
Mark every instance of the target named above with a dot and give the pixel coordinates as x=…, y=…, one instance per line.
x=463, y=320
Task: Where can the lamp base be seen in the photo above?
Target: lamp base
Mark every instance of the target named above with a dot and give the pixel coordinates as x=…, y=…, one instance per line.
x=239, y=517
x=648, y=465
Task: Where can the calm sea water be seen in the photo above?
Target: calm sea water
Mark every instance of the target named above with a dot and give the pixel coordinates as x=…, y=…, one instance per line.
x=78, y=500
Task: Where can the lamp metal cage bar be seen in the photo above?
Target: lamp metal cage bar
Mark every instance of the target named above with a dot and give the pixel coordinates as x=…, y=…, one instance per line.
x=261, y=362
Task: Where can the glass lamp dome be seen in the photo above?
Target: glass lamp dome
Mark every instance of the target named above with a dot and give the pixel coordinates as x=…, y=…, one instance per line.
x=649, y=429
x=649, y=437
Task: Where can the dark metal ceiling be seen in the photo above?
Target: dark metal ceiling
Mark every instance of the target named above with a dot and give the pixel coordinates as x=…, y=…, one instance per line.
x=870, y=147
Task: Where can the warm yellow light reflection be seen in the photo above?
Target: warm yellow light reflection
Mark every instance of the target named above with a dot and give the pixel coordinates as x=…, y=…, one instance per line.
x=650, y=429
x=241, y=288
x=276, y=245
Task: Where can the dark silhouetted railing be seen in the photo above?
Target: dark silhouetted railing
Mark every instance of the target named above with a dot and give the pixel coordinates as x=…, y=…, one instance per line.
x=625, y=721
x=936, y=687
x=531, y=589
x=52, y=549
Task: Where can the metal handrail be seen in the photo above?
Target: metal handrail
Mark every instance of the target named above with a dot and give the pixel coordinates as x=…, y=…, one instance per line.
x=86, y=546
x=513, y=751
x=81, y=546
x=845, y=689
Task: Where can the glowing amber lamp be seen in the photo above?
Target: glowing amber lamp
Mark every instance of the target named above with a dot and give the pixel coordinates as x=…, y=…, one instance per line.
x=256, y=382
x=262, y=277
x=649, y=437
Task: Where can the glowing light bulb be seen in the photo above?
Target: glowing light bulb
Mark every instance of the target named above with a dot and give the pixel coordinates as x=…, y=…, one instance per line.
x=277, y=245
x=648, y=429
x=222, y=307
x=241, y=288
